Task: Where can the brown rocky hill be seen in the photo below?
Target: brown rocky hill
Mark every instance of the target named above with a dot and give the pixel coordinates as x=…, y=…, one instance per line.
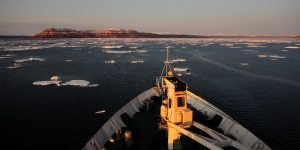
x=102, y=33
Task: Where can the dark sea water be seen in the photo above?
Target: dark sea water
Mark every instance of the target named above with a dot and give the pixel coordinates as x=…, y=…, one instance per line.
x=256, y=81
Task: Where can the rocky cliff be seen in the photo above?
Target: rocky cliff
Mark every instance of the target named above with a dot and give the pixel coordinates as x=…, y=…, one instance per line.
x=102, y=33
x=119, y=33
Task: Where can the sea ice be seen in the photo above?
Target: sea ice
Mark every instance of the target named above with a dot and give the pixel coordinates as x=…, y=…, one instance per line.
x=112, y=46
x=178, y=60
x=29, y=59
x=79, y=83
x=276, y=56
x=292, y=47
x=110, y=61
x=133, y=47
x=181, y=69
x=227, y=44
x=271, y=56
x=3, y=57
x=44, y=83
x=141, y=51
x=100, y=112
x=116, y=52
x=14, y=66
x=262, y=56
x=179, y=74
x=136, y=61
x=244, y=64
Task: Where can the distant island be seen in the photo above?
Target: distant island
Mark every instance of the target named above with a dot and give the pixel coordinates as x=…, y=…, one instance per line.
x=121, y=33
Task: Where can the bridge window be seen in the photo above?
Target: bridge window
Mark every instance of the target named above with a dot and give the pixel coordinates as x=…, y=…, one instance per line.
x=180, y=102
x=170, y=103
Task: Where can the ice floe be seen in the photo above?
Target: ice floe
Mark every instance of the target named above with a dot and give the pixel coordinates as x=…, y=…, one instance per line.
x=100, y=112
x=116, y=52
x=3, y=57
x=181, y=69
x=68, y=60
x=256, y=46
x=178, y=60
x=77, y=83
x=248, y=50
x=112, y=46
x=244, y=64
x=44, y=83
x=109, y=61
x=292, y=47
x=16, y=65
x=133, y=47
x=227, y=44
x=141, y=51
x=235, y=47
x=136, y=61
x=262, y=56
x=277, y=57
x=271, y=56
x=29, y=59
x=179, y=74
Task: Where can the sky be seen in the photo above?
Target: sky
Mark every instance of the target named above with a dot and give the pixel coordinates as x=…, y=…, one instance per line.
x=254, y=17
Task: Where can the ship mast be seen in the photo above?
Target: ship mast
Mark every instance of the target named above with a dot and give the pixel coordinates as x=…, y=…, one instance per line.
x=166, y=72
x=167, y=66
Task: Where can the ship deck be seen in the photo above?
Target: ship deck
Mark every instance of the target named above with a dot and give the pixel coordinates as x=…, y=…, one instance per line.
x=210, y=124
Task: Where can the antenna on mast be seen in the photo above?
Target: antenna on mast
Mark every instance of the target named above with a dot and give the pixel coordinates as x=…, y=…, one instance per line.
x=165, y=73
x=167, y=66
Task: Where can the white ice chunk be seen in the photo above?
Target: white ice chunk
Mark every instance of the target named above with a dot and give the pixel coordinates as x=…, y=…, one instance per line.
x=80, y=83
x=181, y=69
x=248, y=50
x=116, y=52
x=137, y=61
x=3, y=57
x=179, y=74
x=292, y=47
x=141, y=51
x=44, y=83
x=100, y=112
x=133, y=47
x=14, y=66
x=178, y=60
x=110, y=61
x=244, y=64
x=29, y=59
x=276, y=56
x=93, y=85
x=262, y=56
x=112, y=46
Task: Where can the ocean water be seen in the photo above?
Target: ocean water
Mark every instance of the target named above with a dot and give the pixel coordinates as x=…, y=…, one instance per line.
x=256, y=81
